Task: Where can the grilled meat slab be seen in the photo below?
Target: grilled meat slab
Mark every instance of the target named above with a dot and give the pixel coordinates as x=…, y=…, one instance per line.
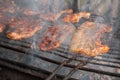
x=87, y=39
x=54, y=16
x=75, y=17
x=23, y=28
x=54, y=36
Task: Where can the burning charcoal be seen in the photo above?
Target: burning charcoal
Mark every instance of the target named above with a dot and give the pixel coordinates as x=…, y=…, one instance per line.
x=87, y=39
x=54, y=36
x=54, y=16
x=23, y=28
x=74, y=18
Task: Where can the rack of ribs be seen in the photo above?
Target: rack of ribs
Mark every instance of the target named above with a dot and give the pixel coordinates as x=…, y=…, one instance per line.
x=75, y=17
x=54, y=36
x=23, y=28
x=87, y=39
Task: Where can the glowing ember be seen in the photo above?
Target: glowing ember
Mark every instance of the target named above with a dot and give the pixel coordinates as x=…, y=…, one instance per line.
x=54, y=36
x=76, y=17
x=86, y=39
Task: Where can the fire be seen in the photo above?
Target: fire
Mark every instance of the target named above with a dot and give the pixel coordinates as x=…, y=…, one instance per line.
x=54, y=36
x=87, y=39
x=74, y=18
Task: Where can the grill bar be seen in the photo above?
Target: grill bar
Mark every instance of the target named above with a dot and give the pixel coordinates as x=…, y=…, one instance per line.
x=81, y=64
x=60, y=66
x=20, y=49
x=58, y=52
x=85, y=69
x=57, y=69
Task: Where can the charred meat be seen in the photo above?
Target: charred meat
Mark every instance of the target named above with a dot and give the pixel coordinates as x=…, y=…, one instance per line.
x=87, y=39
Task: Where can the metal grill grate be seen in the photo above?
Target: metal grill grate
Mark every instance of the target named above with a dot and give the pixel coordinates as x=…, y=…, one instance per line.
x=18, y=52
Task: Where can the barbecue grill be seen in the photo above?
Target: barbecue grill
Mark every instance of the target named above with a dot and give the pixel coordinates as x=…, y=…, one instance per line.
x=60, y=63
x=48, y=64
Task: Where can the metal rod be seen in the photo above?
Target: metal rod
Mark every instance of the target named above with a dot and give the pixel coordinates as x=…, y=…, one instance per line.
x=57, y=69
x=60, y=66
x=81, y=64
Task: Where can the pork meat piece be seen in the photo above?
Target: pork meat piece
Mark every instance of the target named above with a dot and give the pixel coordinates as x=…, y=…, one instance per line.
x=87, y=39
x=54, y=36
x=54, y=16
x=23, y=28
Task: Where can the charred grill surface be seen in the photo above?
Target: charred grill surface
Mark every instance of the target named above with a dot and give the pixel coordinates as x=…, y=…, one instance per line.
x=24, y=50
x=19, y=55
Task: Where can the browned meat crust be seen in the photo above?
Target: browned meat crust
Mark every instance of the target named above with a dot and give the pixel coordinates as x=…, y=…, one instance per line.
x=23, y=28
x=54, y=36
x=87, y=39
